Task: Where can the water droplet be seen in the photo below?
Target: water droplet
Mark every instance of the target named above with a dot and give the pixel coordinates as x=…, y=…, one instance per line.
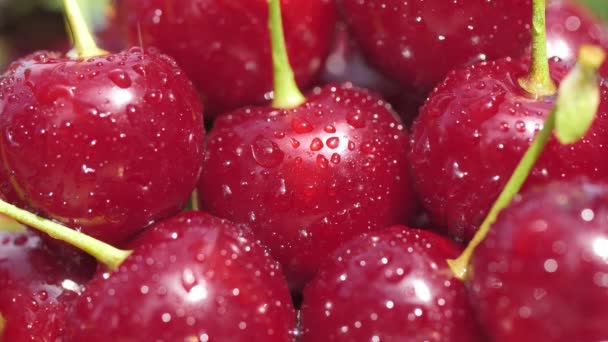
x=266, y=153
x=153, y=97
x=316, y=144
x=300, y=125
x=322, y=162
x=333, y=142
x=351, y=146
x=520, y=126
x=120, y=78
x=294, y=143
x=330, y=129
x=355, y=119
x=335, y=158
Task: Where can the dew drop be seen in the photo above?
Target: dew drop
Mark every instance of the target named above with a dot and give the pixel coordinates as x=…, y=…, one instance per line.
x=266, y=153
x=120, y=78
x=355, y=119
x=322, y=162
x=316, y=144
x=333, y=142
x=300, y=125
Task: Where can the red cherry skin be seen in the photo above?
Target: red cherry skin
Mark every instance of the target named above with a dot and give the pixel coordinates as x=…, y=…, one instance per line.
x=390, y=285
x=307, y=179
x=474, y=129
x=417, y=42
x=569, y=26
x=540, y=274
x=193, y=277
x=37, y=287
x=105, y=145
x=224, y=46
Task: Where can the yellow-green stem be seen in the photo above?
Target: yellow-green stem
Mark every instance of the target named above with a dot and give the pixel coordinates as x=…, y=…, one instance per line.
x=194, y=205
x=538, y=82
x=286, y=92
x=460, y=265
x=104, y=253
x=84, y=43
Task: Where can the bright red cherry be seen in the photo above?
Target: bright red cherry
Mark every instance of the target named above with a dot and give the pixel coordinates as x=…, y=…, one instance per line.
x=474, y=129
x=391, y=285
x=417, y=42
x=193, y=277
x=224, y=46
x=37, y=288
x=306, y=179
x=105, y=144
x=569, y=26
x=541, y=274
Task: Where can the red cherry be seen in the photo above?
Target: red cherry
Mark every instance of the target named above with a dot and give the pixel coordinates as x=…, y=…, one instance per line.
x=37, y=287
x=308, y=178
x=417, y=42
x=224, y=46
x=192, y=277
x=569, y=26
x=105, y=144
x=540, y=274
x=474, y=129
x=392, y=285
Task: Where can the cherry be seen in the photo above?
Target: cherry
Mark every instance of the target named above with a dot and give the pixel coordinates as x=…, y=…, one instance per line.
x=37, y=287
x=193, y=277
x=540, y=273
x=475, y=127
x=106, y=144
x=390, y=285
x=224, y=46
x=418, y=42
x=569, y=26
x=309, y=173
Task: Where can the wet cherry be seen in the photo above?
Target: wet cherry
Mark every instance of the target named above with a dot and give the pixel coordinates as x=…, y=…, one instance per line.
x=38, y=286
x=224, y=47
x=418, y=42
x=541, y=273
x=391, y=285
x=193, y=277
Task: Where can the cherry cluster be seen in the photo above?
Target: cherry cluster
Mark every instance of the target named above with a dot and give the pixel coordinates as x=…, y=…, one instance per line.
x=209, y=199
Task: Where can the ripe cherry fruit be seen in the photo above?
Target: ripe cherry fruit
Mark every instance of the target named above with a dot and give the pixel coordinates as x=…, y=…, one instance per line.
x=106, y=143
x=224, y=47
x=308, y=173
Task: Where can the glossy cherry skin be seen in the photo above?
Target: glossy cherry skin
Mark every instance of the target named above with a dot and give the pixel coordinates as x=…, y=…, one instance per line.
x=37, y=287
x=224, y=46
x=309, y=178
x=193, y=277
x=390, y=285
x=541, y=273
x=417, y=42
x=105, y=145
x=474, y=129
x=569, y=26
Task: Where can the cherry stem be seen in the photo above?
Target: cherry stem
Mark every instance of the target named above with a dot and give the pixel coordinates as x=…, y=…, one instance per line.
x=84, y=43
x=194, y=205
x=104, y=253
x=9, y=225
x=538, y=82
x=2, y=323
x=286, y=92
x=589, y=61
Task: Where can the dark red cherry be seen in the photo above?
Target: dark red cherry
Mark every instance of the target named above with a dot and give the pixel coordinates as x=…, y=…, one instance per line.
x=193, y=277
x=474, y=129
x=306, y=179
x=106, y=144
x=417, y=42
x=391, y=285
x=224, y=46
x=541, y=274
x=37, y=287
x=569, y=26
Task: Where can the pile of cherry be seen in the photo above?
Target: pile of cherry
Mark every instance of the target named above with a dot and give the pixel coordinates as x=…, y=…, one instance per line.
x=327, y=216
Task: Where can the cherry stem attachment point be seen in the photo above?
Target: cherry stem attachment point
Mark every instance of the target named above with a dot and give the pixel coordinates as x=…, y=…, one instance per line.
x=538, y=82
x=106, y=254
x=84, y=43
x=286, y=92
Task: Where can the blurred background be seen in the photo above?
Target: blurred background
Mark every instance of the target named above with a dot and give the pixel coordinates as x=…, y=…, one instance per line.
x=29, y=25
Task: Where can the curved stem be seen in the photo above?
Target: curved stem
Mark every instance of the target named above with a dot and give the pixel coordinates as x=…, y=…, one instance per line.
x=104, y=253
x=538, y=82
x=286, y=92
x=460, y=265
x=84, y=43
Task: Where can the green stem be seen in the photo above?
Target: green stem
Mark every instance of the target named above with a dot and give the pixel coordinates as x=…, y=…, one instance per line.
x=538, y=82
x=460, y=265
x=286, y=92
x=84, y=43
x=108, y=255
